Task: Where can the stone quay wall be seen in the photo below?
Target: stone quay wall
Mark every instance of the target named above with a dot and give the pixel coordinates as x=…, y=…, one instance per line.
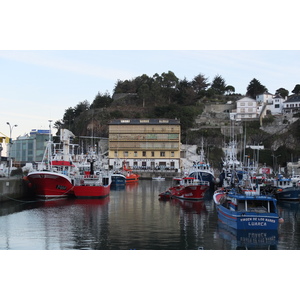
x=12, y=188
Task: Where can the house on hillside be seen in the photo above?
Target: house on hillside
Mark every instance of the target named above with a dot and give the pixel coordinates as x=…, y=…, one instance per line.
x=246, y=108
x=292, y=104
x=264, y=98
x=275, y=106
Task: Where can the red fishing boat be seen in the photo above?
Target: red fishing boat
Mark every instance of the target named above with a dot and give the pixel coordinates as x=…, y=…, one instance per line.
x=54, y=177
x=186, y=188
x=46, y=184
x=92, y=186
x=191, y=189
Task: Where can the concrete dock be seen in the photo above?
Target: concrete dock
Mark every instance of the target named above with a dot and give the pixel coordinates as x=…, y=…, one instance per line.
x=12, y=188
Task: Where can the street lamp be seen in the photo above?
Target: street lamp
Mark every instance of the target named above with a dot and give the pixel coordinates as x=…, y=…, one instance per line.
x=10, y=143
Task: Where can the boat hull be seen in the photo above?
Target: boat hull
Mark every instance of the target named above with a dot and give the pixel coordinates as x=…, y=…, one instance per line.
x=193, y=192
x=247, y=220
x=50, y=184
x=130, y=179
x=88, y=191
x=289, y=194
x=117, y=179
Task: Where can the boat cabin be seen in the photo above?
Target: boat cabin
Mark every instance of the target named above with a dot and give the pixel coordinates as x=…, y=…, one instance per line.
x=252, y=204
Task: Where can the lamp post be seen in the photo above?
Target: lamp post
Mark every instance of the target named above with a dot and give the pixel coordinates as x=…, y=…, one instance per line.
x=10, y=143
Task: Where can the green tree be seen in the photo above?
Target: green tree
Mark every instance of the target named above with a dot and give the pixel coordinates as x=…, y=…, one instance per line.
x=282, y=92
x=200, y=84
x=101, y=100
x=144, y=92
x=169, y=82
x=218, y=85
x=68, y=118
x=296, y=89
x=255, y=88
x=185, y=93
x=81, y=107
x=127, y=86
x=229, y=89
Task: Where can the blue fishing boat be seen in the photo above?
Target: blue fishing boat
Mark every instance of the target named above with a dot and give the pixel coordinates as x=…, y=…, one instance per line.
x=118, y=179
x=288, y=194
x=243, y=211
x=288, y=189
x=202, y=169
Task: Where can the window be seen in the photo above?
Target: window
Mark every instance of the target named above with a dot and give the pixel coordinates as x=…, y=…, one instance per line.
x=135, y=153
x=162, y=154
x=144, y=153
x=125, y=153
x=172, y=153
x=116, y=153
x=152, y=153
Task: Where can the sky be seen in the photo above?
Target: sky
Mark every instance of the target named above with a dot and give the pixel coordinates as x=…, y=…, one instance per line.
x=55, y=54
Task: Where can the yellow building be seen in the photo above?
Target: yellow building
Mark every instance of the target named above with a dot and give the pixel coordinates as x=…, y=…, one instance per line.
x=145, y=143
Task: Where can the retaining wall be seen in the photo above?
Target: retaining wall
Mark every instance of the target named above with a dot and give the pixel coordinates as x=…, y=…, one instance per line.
x=12, y=188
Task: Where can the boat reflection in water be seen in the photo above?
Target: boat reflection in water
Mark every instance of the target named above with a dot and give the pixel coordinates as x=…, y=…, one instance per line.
x=92, y=201
x=248, y=239
x=190, y=206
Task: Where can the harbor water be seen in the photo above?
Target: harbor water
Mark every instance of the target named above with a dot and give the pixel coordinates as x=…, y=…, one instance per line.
x=134, y=218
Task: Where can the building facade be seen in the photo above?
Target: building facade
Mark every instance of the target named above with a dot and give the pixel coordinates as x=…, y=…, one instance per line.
x=292, y=104
x=275, y=106
x=264, y=98
x=29, y=148
x=246, y=108
x=145, y=144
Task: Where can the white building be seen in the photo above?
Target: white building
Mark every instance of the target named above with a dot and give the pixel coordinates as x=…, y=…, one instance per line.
x=275, y=106
x=292, y=104
x=264, y=98
x=246, y=108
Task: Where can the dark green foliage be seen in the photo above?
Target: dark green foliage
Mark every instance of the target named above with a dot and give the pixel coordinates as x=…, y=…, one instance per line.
x=218, y=85
x=255, y=88
x=296, y=89
x=101, y=101
x=282, y=92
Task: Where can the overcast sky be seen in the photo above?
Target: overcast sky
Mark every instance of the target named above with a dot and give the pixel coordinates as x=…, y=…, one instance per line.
x=54, y=56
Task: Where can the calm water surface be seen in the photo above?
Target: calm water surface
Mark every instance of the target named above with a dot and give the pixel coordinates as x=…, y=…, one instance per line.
x=134, y=218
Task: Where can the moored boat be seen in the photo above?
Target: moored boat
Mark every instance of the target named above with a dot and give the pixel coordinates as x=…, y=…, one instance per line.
x=92, y=187
x=288, y=194
x=202, y=169
x=46, y=184
x=189, y=188
x=118, y=179
x=130, y=176
x=91, y=183
x=287, y=189
x=241, y=211
x=54, y=177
